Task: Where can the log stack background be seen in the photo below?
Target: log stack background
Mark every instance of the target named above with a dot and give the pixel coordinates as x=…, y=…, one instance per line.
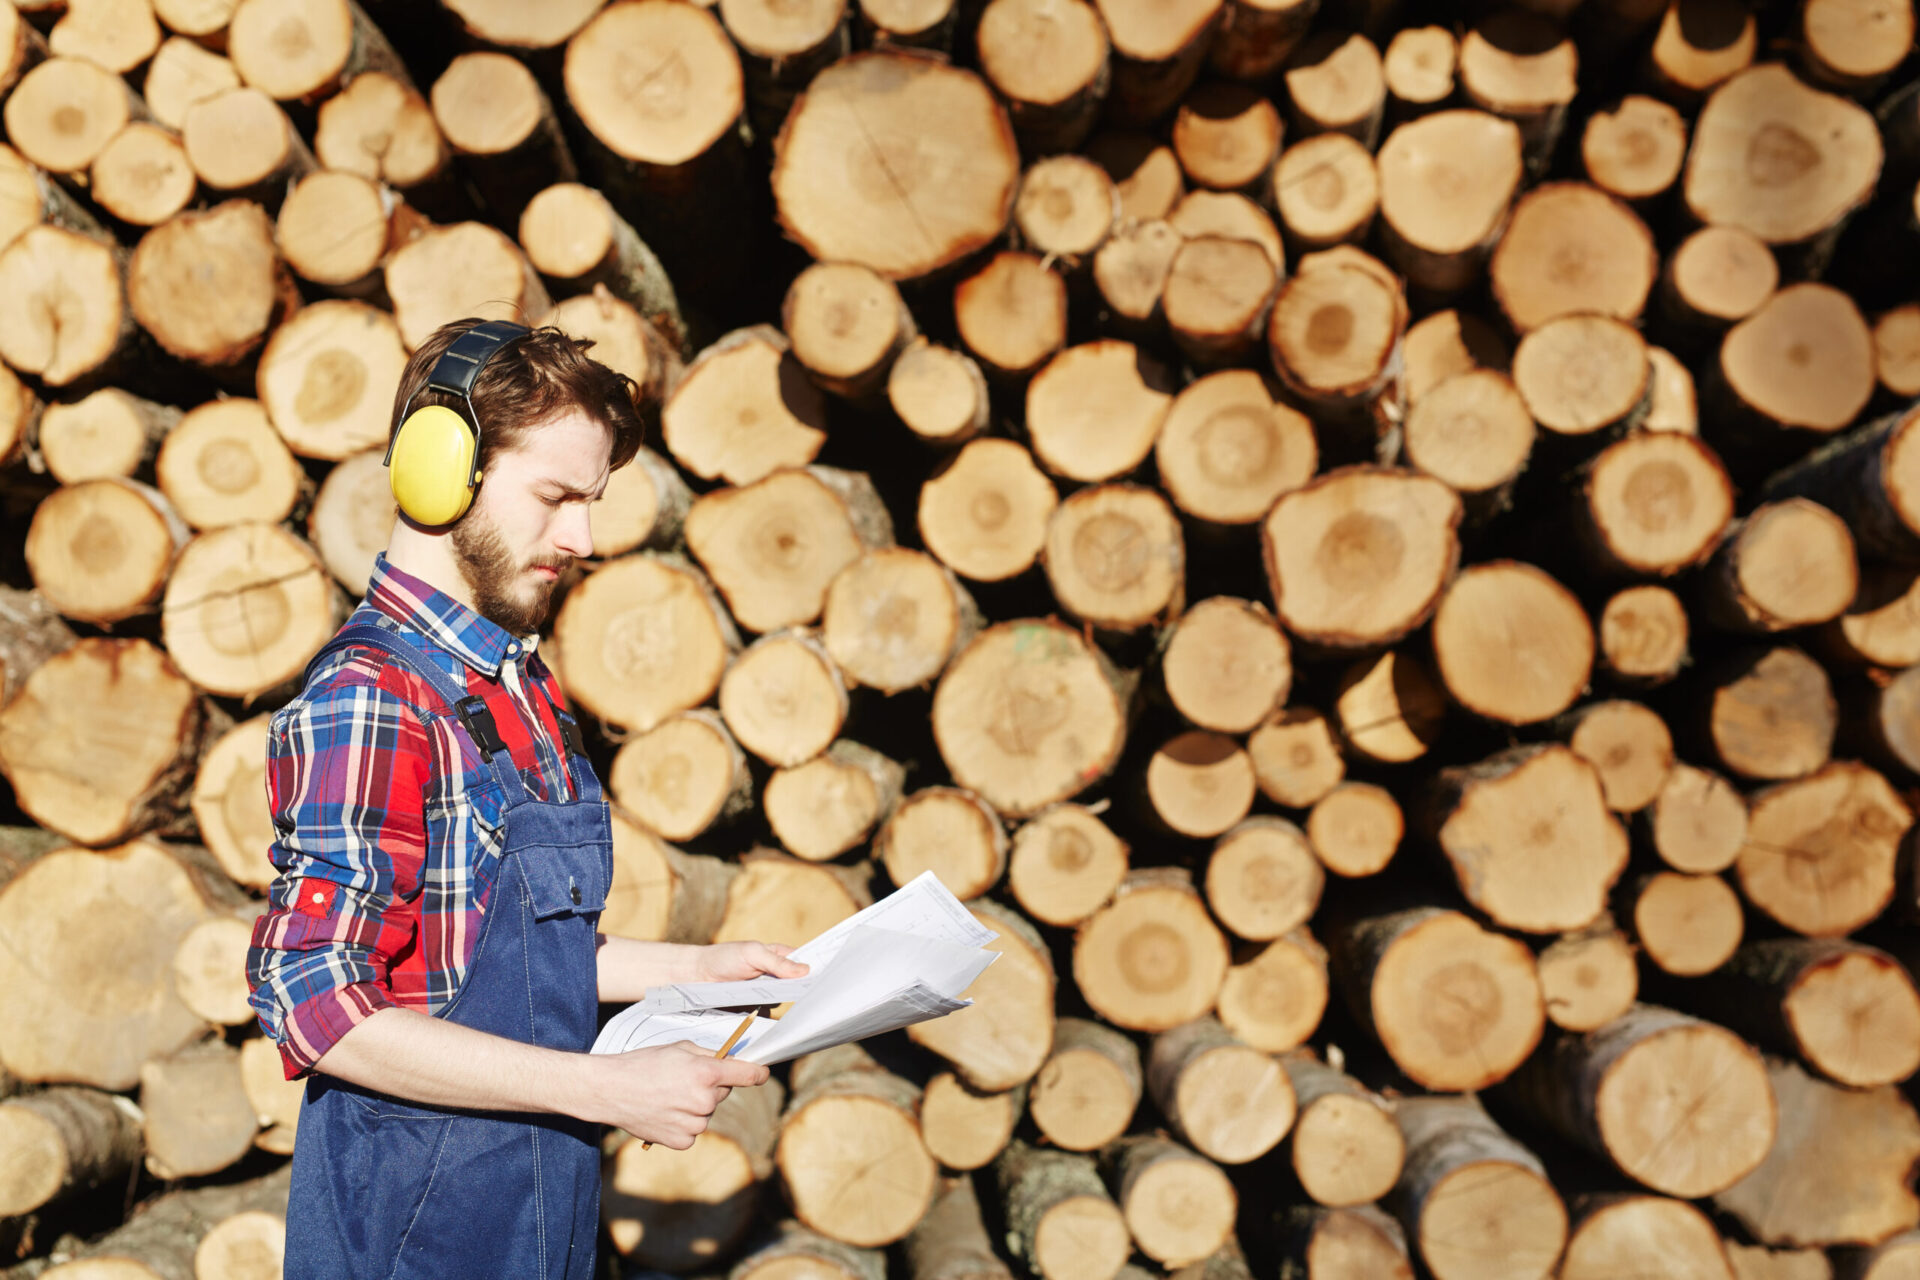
x=1375, y=544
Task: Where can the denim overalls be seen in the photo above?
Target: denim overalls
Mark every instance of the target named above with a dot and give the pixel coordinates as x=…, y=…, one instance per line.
x=386, y=1188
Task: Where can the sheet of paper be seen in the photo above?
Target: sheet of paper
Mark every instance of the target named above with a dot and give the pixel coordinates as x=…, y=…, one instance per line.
x=915, y=1002
x=629, y=1030
x=687, y=997
x=923, y=907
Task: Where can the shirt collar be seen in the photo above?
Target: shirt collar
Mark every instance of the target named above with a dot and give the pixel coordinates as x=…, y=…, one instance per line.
x=411, y=601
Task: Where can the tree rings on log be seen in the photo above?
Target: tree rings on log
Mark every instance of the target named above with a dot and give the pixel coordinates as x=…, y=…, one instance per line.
x=775, y=545
x=1229, y=1101
x=333, y=230
x=1630, y=1235
x=1474, y=433
x=682, y=776
x=1695, y=50
x=105, y=435
x=1804, y=359
x=965, y=1129
x=1360, y=556
x=1571, y=248
x=775, y=898
x=209, y=285
x=1199, y=784
x=1060, y=1220
x=292, y=48
x=241, y=143
x=1773, y=716
x=680, y=1208
x=1085, y=1095
x=1012, y=313
x=1066, y=209
x=325, y=378
x=939, y=393
x=198, y=1118
x=1630, y=748
x=1896, y=347
x=1355, y=829
x=1065, y=865
x=1216, y=298
x=950, y=832
x=1456, y=1006
x=182, y=72
x=1002, y=1039
x=864, y=120
x=1179, y=1206
x=1226, y=136
x=1115, y=558
x=230, y=803
x=1390, y=708
x=380, y=128
x=1511, y=643
x=851, y=1158
x=1655, y=503
x=1094, y=411
x=1152, y=958
x=467, y=269
x=1582, y=374
x=1347, y=1148
x=1588, y=978
x=1820, y=851
x=644, y=506
x=1336, y=84
x=1687, y=925
x=1296, y=757
x=1028, y=714
x=744, y=409
x=1881, y=627
x=784, y=699
x=210, y=970
x=821, y=808
x=143, y=176
x=1477, y=1204
x=1335, y=330
x=1275, y=999
x=1849, y=1011
x=246, y=607
x=1635, y=149
x=1522, y=67
x=1419, y=65
x=352, y=517
x=69, y=317
x=64, y=111
x=1326, y=191
x=1262, y=879
x=1698, y=821
x=1446, y=181
x=1787, y=564
x=846, y=324
x=101, y=550
x=985, y=515
x=1131, y=270
x=1718, y=276
x=1446, y=343
x=1227, y=665
x=116, y=34
x=1227, y=449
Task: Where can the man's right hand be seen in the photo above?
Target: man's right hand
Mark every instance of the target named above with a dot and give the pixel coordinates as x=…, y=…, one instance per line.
x=665, y=1094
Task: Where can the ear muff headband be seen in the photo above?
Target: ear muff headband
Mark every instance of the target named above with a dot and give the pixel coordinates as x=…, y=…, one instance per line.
x=431, y=461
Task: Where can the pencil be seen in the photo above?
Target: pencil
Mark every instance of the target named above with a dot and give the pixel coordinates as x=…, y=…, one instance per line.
x=725, y=1049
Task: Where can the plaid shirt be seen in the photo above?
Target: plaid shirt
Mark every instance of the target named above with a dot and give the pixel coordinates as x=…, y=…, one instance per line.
x=387, y=823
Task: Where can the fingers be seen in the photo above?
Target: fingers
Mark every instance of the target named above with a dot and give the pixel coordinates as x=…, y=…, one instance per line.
x=773, y=959
x=732, y=1073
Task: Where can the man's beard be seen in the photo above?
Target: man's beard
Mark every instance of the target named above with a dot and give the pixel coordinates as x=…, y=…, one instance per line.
x=491, y=572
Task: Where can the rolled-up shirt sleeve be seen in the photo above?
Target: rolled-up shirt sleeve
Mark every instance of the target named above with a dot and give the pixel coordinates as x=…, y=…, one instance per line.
x=347, y=772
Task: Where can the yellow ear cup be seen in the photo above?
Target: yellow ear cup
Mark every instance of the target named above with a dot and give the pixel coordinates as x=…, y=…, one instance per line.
x=431, y=466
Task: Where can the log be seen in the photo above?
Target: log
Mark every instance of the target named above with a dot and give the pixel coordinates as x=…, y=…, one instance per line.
x=1655, y=503
x=1851, y=46
x=1131, y=271
x=788, y=1246
x=1447, y=343
x=1217, y=298
x=1065, y=864
x=1342, y=1244
x=240, y=143
x=1881, y=627
x=1255, y=36
x=576, y=240
x=20, y=411
x=1094, y=410
x=85, y=1014
x=382, y=129
x=1336, y=84
x=1347, y=1147
x=1820, y=851
x=907, y=24
x=1085, y=1094
x=1786, y=564
x=1511, y=643
x=1455, y=1006
x=70, y=324
x=1584, y=375
x=502, y=129
x=107, y=434
x=1446, y=180
x=352, y=517
x=1001, y=1040
x=951, y=1242
x=1588, y=978
x=1628, y=745
x=1784, y=161
x=1158, y=51
x=1334, y=336
x=825, y=806
x=1862, y=477
x=1838, y=1173
x=295, y=50
x=1049, y=64
x=99, y=551
x=1757, y=1262
x=1199, y=784
x=775, y=898
x=1296, y=758
x=188, y=1233
x=1226, y=665
x=62, y=1142
x=334, y=228
x=1474, y=433
x=1687, y=925
x=1626, y=1234
x=660, y=894
x=1803, y=361
x=1326, y=191
x=99, y=742
x=1699, y=48
x=506, y=25
x=197, y=1118
x=324, y=378
x=782, y=49
x=1060, y=1220
x=683, y=1208
x=143, y=176
x=851, y=1125
x=116, y=34
x=182, y=72
x=1359, y=556
x=948, y=831
x=1226, y=136
x=1262, y=879
x=847, y=325
x=985, y=514
x=1570, y=248
x=229, y=803
x=1228, y=214
x=1673, y=405
x=1029, y=714
x=1419, y=65
x=21, y=45
x=1012, y=314
x=1879, y=708
x=973, y=197
x=1179, y=1207
x=644, y=507
x=772, y=547
x=1151, y=959
x=683, y=776
x=1529, y=838
x=1227, y=1100
x=894, y=618
x=1716, y=278
x=1634, y=149
x=210, y=970
x=1114, y=557
x=1355, y=829
x=1390, y=708
x=1275, y=998
x=1227, y=449
x=626, y=343
x=1771, y=715
x=63, y=111
x=172, y=290
x=938, y=393
x=466, y=269
x=30, y=633
x=246, y=607
x=1066, y=208
x=1475, y=1202
x=743, y=409
x=783, y=698
x=1896, y=348
x=1521, y=66
x=965, y=1129
x=1698, y=821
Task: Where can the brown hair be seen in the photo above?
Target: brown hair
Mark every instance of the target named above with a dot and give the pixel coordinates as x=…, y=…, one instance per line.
x=531, y=381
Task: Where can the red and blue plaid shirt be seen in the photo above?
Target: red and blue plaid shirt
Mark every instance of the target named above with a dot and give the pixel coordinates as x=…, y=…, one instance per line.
x=387, y=823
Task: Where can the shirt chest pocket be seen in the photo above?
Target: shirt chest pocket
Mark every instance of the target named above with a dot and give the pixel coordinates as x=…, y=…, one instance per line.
x=466, y=833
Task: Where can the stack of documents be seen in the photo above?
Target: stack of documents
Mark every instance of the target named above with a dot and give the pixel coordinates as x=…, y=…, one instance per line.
x=905, y=959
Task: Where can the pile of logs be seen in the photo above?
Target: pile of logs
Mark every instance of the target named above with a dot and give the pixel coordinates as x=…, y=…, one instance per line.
x=1377, y=546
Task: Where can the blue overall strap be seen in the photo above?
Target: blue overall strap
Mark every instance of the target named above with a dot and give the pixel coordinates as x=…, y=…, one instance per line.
x=469, y=708
x=586, y=784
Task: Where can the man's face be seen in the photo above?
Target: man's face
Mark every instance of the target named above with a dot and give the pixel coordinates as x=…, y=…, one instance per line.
x=529, y=519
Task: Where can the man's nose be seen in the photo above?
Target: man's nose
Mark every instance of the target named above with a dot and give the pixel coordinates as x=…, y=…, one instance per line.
x=575, y=532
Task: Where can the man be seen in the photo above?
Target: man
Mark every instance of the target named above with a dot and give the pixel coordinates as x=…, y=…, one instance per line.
x=429, y=957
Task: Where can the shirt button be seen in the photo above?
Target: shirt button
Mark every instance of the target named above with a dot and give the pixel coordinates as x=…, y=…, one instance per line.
x=513, y=648
x=319, y=897
x=576, y=895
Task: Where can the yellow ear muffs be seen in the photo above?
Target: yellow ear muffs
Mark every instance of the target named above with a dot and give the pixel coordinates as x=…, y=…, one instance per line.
x=430, y=466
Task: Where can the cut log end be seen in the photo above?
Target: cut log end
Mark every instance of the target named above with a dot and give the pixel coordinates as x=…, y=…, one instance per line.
x=1511, y=643
x=1588, y=978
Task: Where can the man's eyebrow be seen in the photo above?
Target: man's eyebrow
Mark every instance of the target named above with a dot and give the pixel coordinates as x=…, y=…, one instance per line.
x=569, y=491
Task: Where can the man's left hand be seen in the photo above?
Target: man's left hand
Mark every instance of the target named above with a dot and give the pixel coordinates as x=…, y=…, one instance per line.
x=738, y=961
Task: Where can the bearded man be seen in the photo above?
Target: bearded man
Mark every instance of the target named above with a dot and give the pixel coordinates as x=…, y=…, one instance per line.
x=430, y=960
